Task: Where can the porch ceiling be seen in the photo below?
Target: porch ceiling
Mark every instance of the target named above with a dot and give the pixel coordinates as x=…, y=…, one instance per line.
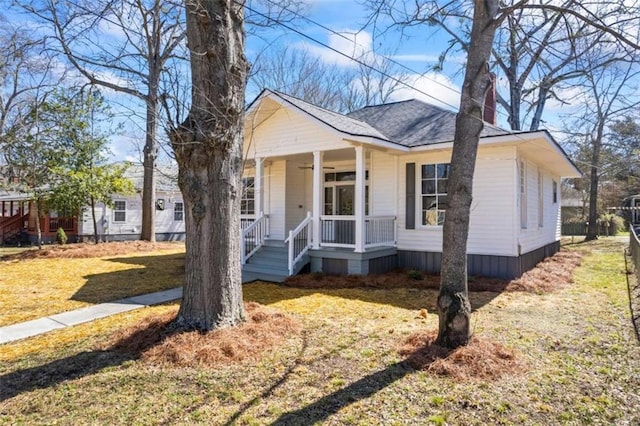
x=306, y=159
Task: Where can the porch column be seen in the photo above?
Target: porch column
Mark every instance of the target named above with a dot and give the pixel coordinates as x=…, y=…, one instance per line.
x=360, y=199
x=257, y=187
x=317, y=197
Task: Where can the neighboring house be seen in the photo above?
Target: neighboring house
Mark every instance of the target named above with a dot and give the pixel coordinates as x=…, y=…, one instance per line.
x=367, y=192
x=120, y=222
x=631, y=210
x=123, y=220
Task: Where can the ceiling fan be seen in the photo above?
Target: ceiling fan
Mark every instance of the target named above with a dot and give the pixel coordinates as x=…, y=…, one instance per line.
x=311, y=167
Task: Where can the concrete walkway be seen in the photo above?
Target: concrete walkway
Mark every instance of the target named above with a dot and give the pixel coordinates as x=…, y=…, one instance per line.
x=23, y=330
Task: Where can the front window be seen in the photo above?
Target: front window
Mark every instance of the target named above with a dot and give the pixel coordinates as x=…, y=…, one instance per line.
x=119, y=211
x=178, y=211
x=434, y=181
x=247, y=203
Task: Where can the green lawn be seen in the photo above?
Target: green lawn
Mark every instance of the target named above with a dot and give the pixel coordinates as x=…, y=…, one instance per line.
x=580, y=357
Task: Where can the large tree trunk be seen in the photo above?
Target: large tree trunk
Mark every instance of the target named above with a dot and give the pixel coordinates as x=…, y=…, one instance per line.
x=149, y=179
x=454, y=310
x=94, y=220
x=208, y=147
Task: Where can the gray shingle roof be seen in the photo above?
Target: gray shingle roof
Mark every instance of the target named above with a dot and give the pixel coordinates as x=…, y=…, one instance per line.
x=333, y=119
x=415, y=123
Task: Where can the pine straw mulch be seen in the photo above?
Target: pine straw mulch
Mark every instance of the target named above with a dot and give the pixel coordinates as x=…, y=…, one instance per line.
x=89, y=250
x=480, y=359
x=157, y=341
x=553, y=273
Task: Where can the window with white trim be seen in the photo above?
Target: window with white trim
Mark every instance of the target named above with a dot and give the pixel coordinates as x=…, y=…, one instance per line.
x=119, y=211
x=540, y=198
x=555, y=192
x=434, y=183
x=248, y=201
x=178, y=211
x=523, y=195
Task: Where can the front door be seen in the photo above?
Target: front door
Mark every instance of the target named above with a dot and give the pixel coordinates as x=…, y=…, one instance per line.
x=345, y=195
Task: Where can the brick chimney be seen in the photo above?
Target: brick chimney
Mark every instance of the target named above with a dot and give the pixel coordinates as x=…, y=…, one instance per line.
x=489, y=113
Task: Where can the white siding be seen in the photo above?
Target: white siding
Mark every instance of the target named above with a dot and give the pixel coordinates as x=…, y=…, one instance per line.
x=534, y=236
x=133, y=216
x=276, y=200
x=492, y=210
x=295, y=197
x=383, y=184
x=288, y=132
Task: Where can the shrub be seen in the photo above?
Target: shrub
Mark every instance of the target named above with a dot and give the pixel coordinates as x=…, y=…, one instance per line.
x=61, y=236
x=415, y=274
x=612, y=223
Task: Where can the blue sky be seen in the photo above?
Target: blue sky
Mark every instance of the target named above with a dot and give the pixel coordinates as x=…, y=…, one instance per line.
x=417, y=49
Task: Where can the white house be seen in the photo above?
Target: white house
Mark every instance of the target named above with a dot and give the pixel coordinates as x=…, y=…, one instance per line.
x=367, y=192
x=123, y=221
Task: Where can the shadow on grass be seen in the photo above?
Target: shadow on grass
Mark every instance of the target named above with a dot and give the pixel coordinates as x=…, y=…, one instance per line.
x=84, y=363
x=157, y=273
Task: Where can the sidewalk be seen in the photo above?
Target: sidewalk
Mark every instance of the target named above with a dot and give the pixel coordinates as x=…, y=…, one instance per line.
x=23, y=330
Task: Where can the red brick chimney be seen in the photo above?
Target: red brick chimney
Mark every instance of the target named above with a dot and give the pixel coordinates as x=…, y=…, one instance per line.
x=489, y=114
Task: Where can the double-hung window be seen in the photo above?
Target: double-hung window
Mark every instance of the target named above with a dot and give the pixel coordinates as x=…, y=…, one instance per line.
x=247, y=203
x=119, y=211
x=434, y=183
x=178, y=211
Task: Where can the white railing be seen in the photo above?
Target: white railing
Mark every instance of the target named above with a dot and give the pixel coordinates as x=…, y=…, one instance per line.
x=253, y=236
x=340, y=231
x=380, y=231
x=246, y=220
x=299, y=241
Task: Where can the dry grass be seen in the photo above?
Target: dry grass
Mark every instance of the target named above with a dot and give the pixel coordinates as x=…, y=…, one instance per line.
x=480, y=359
x=158, y=343
x=37, y=287
x=345, y=367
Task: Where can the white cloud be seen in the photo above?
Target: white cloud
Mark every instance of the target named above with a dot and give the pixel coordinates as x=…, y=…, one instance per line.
x=347, y=44
x=434, y=88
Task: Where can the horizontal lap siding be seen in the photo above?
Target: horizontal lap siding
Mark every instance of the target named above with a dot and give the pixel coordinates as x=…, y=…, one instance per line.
x=492, y=210
x=289, y=132
x=277, y=199
x=534, y=236
x=295, y=197
x=383, y=184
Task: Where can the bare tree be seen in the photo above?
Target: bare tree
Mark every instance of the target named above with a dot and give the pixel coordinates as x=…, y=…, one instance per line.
x=609, y=95
x=370, y=79
x=537, y=48
x=208, y=149
x=24, y=72
x=123, y=45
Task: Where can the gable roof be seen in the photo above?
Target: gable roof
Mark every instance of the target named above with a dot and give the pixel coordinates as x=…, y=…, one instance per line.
x=335, y=120
x=415, y=123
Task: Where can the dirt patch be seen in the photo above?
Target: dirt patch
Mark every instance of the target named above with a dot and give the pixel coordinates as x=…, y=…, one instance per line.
x=553, y=273
x=480, y=359
x=88, y=250
x=157, y=342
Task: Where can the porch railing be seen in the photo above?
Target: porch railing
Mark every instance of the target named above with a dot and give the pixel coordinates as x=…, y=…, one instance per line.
x=380, y=231
x=299, y=241
x=253, y=236
x=66, y=223
x=340, y=231
x=246, y=220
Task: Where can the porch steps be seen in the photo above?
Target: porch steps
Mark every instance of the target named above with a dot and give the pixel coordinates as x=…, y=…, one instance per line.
x=269, y=263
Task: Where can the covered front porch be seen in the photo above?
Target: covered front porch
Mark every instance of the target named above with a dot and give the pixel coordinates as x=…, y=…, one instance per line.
x=314, y=209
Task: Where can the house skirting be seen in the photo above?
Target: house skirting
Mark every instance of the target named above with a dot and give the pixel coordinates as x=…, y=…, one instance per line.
x=504, y=267
x=346, y=262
